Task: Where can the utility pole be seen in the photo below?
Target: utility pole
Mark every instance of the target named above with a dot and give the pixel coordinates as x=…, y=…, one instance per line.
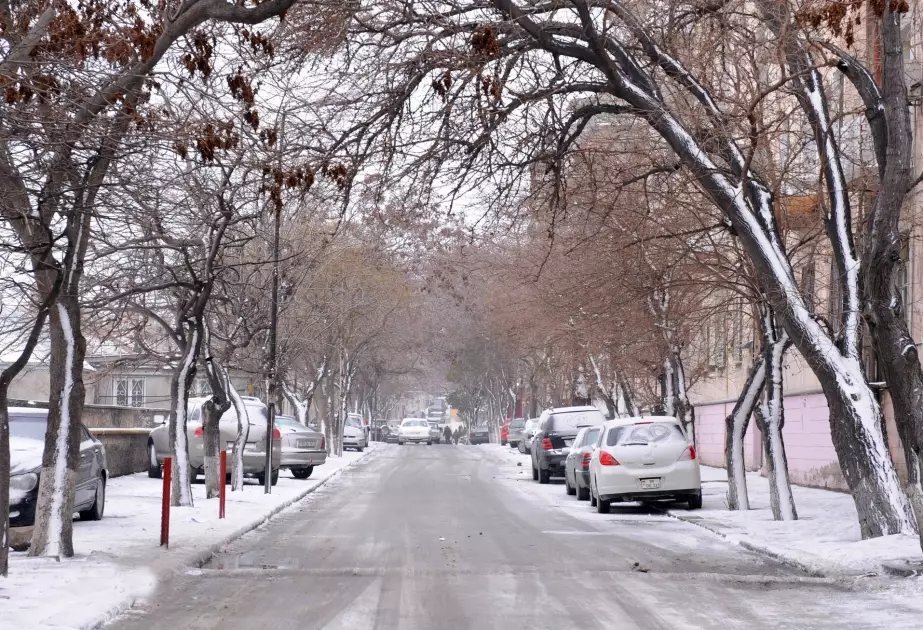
x=273, y=367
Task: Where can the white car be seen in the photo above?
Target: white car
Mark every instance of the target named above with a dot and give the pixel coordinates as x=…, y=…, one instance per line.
x=414, y=430
x=644, y=459
x=354, y=435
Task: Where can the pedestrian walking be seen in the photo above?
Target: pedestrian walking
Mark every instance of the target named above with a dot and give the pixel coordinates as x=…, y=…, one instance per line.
x=447, y=434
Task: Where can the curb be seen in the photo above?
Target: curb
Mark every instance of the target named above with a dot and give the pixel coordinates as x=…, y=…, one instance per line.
x=195, y=559
x=903, y=568
x=757, y=549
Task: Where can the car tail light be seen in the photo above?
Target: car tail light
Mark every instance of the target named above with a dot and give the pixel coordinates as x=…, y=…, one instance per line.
x=688, y=453
x=276, y=433
x=546, y=444
x=606, y=459
x=586, y=461
x=323, y=444
x=199, y=431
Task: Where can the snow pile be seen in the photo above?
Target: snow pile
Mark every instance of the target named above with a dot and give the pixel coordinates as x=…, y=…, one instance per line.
x=825, y=538
x=120, y=560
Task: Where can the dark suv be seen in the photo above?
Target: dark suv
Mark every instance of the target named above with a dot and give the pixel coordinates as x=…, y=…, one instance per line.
x=557, y=429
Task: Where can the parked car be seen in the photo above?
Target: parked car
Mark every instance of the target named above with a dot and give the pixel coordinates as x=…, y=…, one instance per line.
x=354, y=434
x=479, y=435
x=27, y=443
x=514, y=437
x=435, y=432
x=392, y=433
x=557, y=429
x=254, y=456
x=414, y=430
x=577, y=464
x=303, y=448
x=644, y=459
x=528, y=433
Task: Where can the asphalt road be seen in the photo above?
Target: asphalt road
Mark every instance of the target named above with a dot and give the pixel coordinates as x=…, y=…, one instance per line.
x=457, y=537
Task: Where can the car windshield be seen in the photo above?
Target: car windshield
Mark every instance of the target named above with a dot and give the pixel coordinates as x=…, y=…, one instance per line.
x=353, y=422
x=576, y=419
x=28, y=426
x=517, y=424
x=644, y=434
x=289, y=423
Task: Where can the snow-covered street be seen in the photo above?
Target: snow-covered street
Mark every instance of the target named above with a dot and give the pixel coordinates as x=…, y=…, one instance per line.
x=461, y=537
x=118, y=559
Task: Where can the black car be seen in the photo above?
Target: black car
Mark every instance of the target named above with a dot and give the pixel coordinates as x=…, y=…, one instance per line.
x=479, y=435
x=556, y=432
x=27, y=443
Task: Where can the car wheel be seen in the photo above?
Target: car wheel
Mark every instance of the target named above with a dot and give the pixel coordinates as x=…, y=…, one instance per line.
x=534, y=473
x=154, y=470
x=193, y=473
x=302, y=473
x=571, y=491
x=359, y=449
x=95, y=513
x=695, y=501
x=583, y=494
x=273, y=479
x=544, y=477
x=592, y=498
x=429, y=443
x=602, y=507
x=400, y=443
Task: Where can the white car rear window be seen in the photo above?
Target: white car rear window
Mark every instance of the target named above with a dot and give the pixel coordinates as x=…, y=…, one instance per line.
x=643, y=434
x=415, y=423
x=575, y=419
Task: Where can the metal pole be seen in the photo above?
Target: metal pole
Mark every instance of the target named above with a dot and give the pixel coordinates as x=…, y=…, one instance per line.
x=222, y=489
x=165, y=507
x=273, y=326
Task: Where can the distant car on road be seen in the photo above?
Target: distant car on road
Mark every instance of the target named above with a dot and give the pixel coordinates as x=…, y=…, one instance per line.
x=644, y=459
x=303, y=448
x=577, y=464
x=556, y=432
x=414, y=430
x=435, y=432
x=479, y=435
x=528, y=432
x=354, y=433
x=158, y=444
x=514, y=437
x=27, y=443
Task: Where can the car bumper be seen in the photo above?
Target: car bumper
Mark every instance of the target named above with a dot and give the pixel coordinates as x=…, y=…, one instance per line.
x=553, y=463
x=676, y=481
x=22, y=514
x=300, y=459
x=354, y=442
x=415, y=438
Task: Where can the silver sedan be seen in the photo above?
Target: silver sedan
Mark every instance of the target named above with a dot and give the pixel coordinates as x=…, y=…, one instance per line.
x=303, y=448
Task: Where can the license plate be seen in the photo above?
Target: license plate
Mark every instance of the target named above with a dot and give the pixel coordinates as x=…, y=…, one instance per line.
x=304, y=443
x=650, y=484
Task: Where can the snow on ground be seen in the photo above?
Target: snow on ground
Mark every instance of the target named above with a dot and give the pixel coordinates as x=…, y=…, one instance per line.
x=825, y=540
x=119, y=559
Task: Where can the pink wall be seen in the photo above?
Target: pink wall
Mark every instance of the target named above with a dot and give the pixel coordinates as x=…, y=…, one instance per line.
x=709, y=436
x=811, y=458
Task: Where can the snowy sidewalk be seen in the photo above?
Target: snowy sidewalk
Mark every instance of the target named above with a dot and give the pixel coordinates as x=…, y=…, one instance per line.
x=824, y=540
x=118, y=559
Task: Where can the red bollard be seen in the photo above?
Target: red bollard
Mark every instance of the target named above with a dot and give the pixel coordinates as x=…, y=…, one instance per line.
x=165, y=509
x=222, y=489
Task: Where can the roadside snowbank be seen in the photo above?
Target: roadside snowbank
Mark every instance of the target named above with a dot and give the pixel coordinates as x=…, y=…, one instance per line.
x=825, y=539
x=119, y=558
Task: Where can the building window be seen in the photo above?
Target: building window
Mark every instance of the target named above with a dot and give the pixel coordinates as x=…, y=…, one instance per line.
x=903, y=279
x=129, y=392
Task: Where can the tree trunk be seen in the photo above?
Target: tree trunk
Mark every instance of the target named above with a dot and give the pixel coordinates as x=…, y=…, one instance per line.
x=243, y=433
x=735, y=429
x=628, y=396
x=771, y=419
x=180, y=383
x=53, y=532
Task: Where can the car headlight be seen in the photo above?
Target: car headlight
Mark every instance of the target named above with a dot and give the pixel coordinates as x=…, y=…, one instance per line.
x=24, y=483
